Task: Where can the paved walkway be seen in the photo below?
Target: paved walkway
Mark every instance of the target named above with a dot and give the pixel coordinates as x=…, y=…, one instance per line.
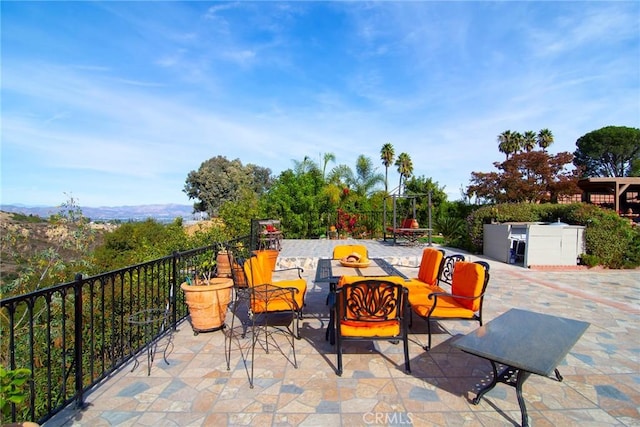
x=601, y=374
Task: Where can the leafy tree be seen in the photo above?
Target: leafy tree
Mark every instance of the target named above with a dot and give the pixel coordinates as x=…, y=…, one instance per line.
x=237, y=215
x=136, y=242
x=405, y=168
x=387, y=155
x=609, y=152
x=532, y=177
x=297, y=199
x=219, y=180
x=422, y=186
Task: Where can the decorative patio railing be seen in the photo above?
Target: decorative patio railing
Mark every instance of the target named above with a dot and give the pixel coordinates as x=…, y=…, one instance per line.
x=73, y=335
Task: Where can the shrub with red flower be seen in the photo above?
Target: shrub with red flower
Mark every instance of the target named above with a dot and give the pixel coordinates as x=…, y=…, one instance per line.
x=346, y=222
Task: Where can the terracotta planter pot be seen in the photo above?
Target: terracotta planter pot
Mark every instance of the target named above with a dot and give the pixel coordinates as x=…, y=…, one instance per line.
x=222, y=263
x=208, y=303
x=271, y=255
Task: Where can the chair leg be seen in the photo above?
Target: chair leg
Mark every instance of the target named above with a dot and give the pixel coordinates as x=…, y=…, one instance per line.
x=407, y=367
x=229, y=334
x=339, y=355
x=254, y=339
x=428, y=346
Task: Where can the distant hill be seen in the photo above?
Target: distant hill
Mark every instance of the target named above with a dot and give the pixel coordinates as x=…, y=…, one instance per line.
x=161, y=213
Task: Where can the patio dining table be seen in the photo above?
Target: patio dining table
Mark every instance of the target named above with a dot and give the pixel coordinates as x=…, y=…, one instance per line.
x=331, y=270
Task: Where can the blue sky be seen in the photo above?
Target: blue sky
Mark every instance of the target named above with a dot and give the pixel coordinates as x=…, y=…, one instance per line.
x=114, y=103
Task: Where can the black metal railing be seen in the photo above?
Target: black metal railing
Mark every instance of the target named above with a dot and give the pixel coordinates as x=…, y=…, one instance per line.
x=73, y=335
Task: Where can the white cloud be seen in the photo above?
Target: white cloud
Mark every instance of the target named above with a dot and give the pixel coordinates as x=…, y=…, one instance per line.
x=261, y=83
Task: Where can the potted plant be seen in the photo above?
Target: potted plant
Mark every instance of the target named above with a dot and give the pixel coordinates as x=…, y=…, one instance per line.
x=208, y=297
x=12, y=390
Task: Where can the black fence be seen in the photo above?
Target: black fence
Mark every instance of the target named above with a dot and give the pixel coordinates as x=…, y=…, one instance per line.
x=74, y=335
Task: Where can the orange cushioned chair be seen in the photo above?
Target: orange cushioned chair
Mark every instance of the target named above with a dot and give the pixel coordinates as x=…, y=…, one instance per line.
x=373, y=308
x=464, y=302
x=435, y=269
x=257, y=274
x=270, y=309
x=342, y=251
x=429, y=269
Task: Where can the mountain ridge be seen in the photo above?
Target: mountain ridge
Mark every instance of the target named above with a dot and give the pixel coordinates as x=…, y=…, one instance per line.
x=160, y=212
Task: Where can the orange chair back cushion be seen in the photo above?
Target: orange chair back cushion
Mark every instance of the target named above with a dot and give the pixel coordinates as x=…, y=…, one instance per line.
x=254, y=272
x=266, y=261
x=341, y=251
x=468, y=279
x=370, y=311
x=430, y=266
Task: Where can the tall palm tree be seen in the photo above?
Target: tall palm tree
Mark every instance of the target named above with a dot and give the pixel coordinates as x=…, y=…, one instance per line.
x=386, y=155
x=405, y=168
x=529, y=140
x=507, y=143
x=545, y=139
x=328, y=157
x=518, y=142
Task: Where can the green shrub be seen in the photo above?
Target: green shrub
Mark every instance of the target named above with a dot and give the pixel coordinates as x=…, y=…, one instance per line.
x=13, y=390
x=452, y=229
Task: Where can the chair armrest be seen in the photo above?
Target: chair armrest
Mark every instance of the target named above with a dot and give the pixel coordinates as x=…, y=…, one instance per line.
x=434, y=296
x=300, y=270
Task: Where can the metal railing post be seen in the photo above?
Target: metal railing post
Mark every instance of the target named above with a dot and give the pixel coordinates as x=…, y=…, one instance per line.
x=78, y=339
x=173, y=299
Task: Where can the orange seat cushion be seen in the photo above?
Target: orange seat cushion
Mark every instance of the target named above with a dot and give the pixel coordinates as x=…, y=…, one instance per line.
x=270, y=301
x=353, y=328
x=299, y=284
x=255, y=272
x=419, y=294
x=447, y=307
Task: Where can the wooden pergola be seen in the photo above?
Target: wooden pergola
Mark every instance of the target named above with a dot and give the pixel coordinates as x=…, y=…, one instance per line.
x=618, y=187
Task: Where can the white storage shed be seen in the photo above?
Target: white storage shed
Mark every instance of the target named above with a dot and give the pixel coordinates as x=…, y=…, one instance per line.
x=534, y=244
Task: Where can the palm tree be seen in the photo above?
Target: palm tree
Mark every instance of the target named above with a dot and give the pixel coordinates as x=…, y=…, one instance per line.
x=405, y=168
x=366, y=176
x=545, y=139
x=386, y=155
x=529, y=140
x=305, y=166
x=507, y=143
x=518, y=142
x=341, y=175
x=328, y=157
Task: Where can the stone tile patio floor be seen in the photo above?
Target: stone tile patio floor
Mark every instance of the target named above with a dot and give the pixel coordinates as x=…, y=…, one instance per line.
x=601, y=374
